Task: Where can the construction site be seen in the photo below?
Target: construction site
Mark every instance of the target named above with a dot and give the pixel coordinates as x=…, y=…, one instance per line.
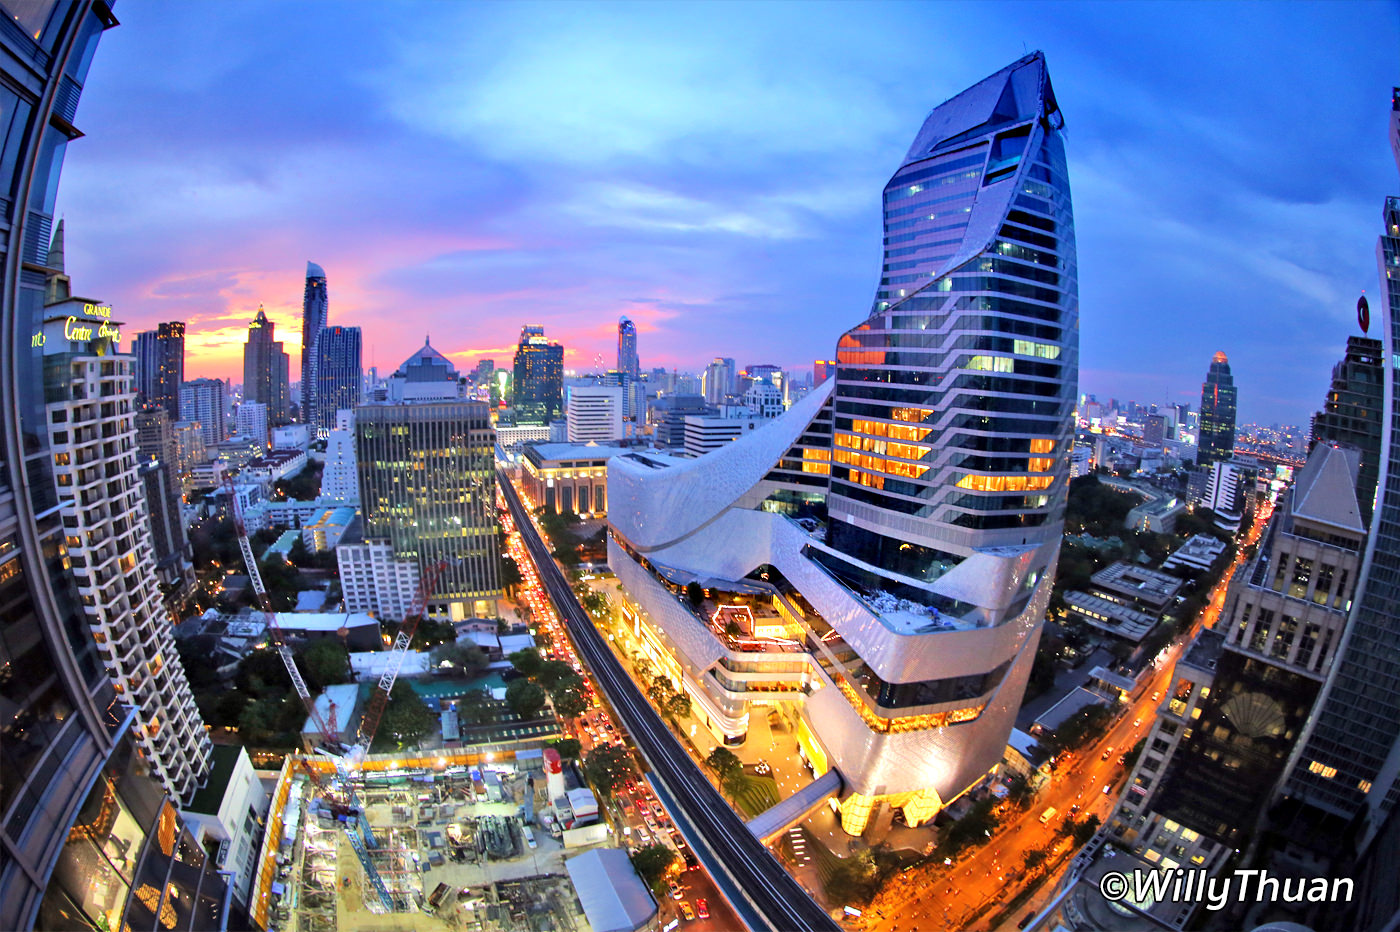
x=449, y=839
x=433, y=844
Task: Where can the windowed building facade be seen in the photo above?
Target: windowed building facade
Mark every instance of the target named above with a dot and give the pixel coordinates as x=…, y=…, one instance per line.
x=903, y=519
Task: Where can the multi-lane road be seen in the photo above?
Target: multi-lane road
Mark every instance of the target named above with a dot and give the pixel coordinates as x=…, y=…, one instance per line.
x=762, y=891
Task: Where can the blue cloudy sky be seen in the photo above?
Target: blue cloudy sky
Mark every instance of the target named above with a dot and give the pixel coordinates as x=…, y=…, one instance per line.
x=714, y=172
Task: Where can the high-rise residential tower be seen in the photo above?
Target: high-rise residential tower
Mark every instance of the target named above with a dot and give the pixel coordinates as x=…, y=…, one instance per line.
x=1216, y=440
x=338, y=376
x=627, y=349
x=931, y=475
x=79, y=810
x=315, y=307
x=205, y=401
x=265, y=368
x=160, y=366
x=537, y=393
x=1350, y=762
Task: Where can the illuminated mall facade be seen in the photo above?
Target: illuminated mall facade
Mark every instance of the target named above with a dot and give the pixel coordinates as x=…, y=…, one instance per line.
x=877, y=562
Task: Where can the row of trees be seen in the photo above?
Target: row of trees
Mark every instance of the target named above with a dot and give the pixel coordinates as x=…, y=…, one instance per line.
x=661, y=690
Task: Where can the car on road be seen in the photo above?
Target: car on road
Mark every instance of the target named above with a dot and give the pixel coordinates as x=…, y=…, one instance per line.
x=1106, y=751
x=686, y=911
x=1137, y=722
x=1047, y=815
x=702, y=909
x=675, y=891
x=1107, y=787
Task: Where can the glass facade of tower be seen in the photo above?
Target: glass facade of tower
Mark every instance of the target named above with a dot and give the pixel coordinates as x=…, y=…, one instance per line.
x=1351, y=757
x=315, y=304
x=1352, y=413
x=338, y=374
x=627, y=349
x=537, y=391
x=160, y=366
x=951, y=412
x=1217, y=434
x=72, y=856
x=265, y=368
x=428, y=487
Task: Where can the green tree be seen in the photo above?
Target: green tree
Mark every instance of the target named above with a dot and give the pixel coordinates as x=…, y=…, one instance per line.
x=510, y=573
x=552, y=672
x=652, y=864
x=474, y=707
x=462, y=659
x=526, y=661
x=324, y=662
x=199, y=668
x=724, y=762
x=431, y=632
x=678, y=705
x=1033, y=858
x=568, y=748
x=695, y=593
x=1083, y=831
x=526, y=699
x=607, y=767
x=569, y=696
x=406, y=719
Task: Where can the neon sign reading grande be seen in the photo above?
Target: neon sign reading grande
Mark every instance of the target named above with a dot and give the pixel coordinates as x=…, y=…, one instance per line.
x=98, y=310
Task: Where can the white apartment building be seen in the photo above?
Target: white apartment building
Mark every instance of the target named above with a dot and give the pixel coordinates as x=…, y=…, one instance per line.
x=251, y=421
x=372, y=581
x=90, y=394
x=338, y=480
x=229, y=810
x=594, y=413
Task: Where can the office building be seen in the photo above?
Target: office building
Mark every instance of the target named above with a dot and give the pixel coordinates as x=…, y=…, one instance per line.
x=315, y=308
x=1349, y=764
x=428, y=488
x=668, y=416
x=251, y=422
x=1216, y=440
x=372, y=579
x=1154, y=430
x=822, y=369
x=73, y=784
x=1351, y=415
x=1226, y=734
x=594, y=413
x=159, y=473
x=339, y=478
x=564, y=477
x=205, y=401
x=537, y=391
x=1228, y=493
x=338, y=376
x=929, y=478
x=719, y=380
x=627, y=349
x=160, y=366
x=265, y=369
x=189, y=450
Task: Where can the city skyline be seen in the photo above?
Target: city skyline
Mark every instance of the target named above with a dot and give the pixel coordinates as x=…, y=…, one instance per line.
x=692, y=211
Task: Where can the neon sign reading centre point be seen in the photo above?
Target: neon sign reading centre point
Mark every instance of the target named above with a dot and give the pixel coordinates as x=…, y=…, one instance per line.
x=73, y=331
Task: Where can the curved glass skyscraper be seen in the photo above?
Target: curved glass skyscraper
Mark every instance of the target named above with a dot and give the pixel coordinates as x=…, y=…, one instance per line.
x=1218, y=402
x=901, y=610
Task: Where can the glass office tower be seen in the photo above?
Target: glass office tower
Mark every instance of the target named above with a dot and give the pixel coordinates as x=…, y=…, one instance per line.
x=315, y=307
x=90, y=841
x=929, y=478
x=1218, y=404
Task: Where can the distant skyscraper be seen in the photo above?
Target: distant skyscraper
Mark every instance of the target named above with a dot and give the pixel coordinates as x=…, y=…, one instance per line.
x=160, y=366
x=315, y=306
x=538, y=386
x=627, y=349
x=822, y=370
x=938, y=468
x=1352, y=412
x=1216, y=440
x=205, y=401
x=338, y=376
x=1154, y=430
x=720, y=378
x=265, y=368
x=1351, y=758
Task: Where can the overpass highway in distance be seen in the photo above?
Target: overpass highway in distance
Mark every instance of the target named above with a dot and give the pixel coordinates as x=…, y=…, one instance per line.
x=770, y=899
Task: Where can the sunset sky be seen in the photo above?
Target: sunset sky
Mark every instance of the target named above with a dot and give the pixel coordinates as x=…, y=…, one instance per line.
x=714, y=172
